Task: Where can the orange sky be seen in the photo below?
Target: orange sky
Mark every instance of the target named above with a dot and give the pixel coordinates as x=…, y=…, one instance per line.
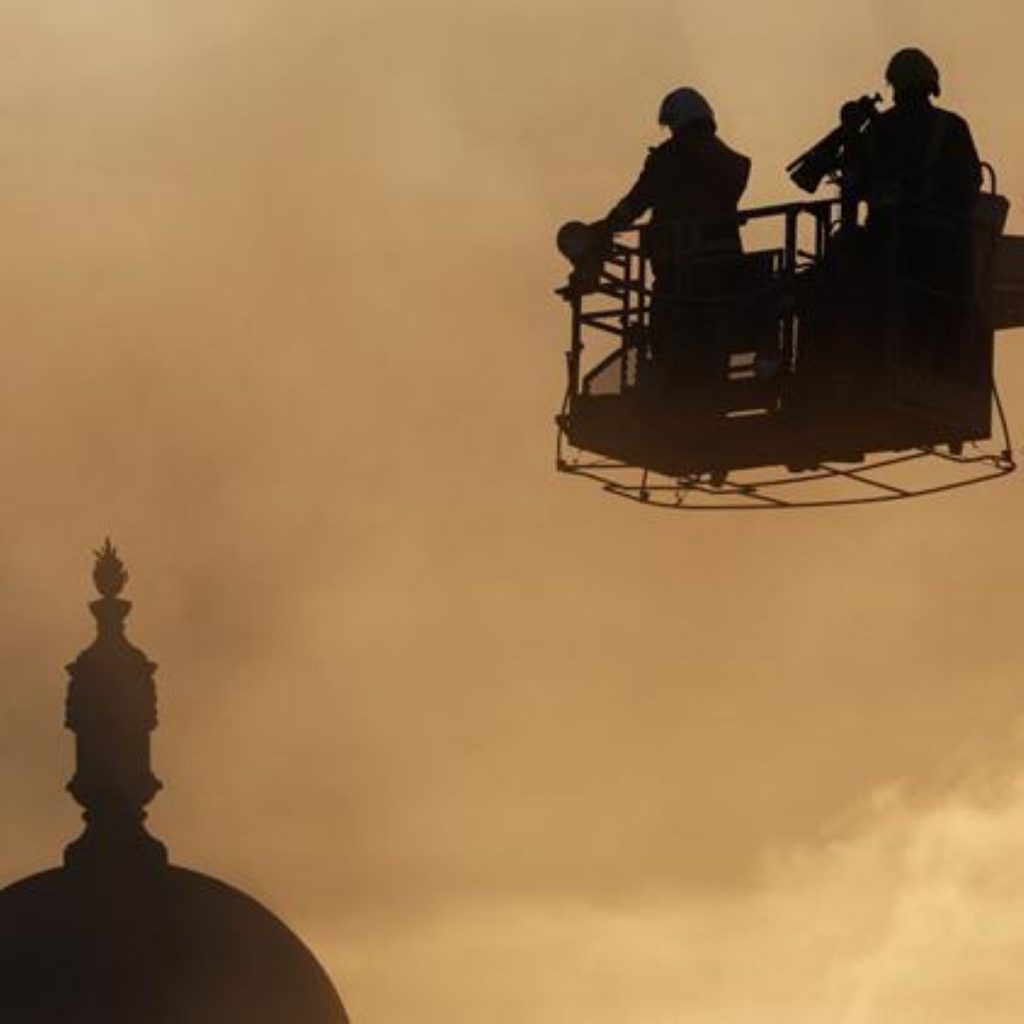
x=277, y=303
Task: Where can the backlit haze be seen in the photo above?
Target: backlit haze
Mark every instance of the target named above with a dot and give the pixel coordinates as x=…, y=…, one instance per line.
x=277, y=315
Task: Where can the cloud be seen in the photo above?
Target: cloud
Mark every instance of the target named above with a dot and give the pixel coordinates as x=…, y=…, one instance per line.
x=913, y=915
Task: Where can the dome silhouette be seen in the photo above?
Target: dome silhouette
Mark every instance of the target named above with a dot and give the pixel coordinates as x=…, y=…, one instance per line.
x=117, y=935
x=169, y=946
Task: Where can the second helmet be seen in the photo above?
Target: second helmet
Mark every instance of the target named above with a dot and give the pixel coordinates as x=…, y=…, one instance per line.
x=912, y=67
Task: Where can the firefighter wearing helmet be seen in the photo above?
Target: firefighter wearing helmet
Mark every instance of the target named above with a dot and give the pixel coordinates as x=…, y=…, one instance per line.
x=692, y=174
x=919, y=155
x=691, y=184
x=922, y=179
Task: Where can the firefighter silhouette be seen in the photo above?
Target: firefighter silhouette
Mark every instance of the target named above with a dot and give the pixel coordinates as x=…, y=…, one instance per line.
x=921, y=177
x=691, y=184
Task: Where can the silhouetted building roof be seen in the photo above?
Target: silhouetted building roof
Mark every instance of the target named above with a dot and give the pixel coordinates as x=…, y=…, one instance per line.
x=117, y=935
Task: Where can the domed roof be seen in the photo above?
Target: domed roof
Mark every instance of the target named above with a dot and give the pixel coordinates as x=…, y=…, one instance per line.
x=158, y=946
x=118, y=935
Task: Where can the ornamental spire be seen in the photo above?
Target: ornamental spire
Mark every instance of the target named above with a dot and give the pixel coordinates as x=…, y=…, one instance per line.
x=111, y=709
x=109, y=573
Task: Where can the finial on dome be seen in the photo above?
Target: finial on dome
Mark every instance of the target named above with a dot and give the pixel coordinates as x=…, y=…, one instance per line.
x=109, y=573
x=111, y=709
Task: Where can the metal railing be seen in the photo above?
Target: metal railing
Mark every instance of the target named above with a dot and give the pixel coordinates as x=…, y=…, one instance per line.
x=615, y=307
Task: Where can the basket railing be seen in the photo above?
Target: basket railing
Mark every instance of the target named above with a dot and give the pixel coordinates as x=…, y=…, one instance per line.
x=615, y=307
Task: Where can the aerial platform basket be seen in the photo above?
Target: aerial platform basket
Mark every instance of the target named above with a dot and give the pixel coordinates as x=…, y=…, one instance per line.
x=778, y=395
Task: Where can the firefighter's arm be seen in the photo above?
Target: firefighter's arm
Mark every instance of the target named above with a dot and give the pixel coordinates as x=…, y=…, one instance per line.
x=635, y=203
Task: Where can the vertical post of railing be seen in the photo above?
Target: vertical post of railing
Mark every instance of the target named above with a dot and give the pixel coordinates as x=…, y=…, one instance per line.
x=627, y=286
x=824, y=230
x=576, y=345
x=789, y=266
x=644, y=316
x=791, y=240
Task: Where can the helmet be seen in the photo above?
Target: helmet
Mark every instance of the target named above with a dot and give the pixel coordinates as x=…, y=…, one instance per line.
x=683, y=107
x=913, y=67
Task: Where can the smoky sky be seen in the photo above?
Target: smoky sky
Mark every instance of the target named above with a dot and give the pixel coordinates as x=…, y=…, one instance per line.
x=278, y=316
